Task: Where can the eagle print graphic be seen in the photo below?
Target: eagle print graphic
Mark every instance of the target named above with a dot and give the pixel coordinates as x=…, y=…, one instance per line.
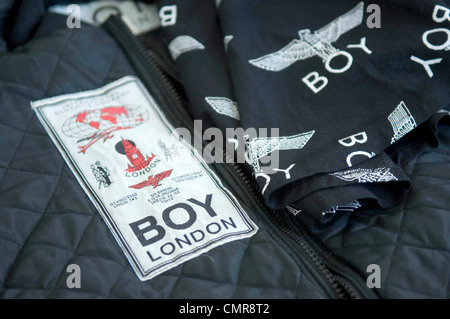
x=311, y=44
x=366, y=175
x=261, y=146
x=402, y=121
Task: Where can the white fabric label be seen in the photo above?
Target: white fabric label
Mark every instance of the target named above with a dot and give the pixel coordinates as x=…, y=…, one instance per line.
x=140, y=17
x=157, y=195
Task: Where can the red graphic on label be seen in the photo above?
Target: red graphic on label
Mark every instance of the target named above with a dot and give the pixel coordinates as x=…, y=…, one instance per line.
x=94, y=125
x=135, y=157
x=111, y=113
x=153, y=180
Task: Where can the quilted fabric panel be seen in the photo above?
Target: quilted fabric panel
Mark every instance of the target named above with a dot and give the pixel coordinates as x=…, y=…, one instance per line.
x=411, y=240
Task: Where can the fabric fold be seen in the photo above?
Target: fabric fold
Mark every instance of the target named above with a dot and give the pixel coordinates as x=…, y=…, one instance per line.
x=342, y=91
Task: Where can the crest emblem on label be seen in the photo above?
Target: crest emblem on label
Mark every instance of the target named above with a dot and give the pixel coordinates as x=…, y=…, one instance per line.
x=137, y=160
x=153, y=180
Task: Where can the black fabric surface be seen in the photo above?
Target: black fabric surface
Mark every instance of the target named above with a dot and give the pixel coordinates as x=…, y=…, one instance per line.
x=47, y=222
x=356, y=102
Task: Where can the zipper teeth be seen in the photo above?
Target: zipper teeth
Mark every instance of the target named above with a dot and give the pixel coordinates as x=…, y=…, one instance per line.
x=250, y=184
x=280, y=224
x=343, y=283
x=150, y=60
x=347, y=289
x=254, y=190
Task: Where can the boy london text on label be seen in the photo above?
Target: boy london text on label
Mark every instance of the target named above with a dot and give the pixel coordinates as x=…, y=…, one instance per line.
x=157, y=195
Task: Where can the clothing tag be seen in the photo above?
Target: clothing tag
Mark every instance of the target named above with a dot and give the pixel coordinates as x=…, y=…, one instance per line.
x=157, y=195
x=140, y=17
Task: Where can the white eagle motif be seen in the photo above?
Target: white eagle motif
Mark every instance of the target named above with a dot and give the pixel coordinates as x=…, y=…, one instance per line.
x=312, y=44
x=224, y=106
x=182, y=44
x=402, y=121
x=262, y=146
x=366, y=175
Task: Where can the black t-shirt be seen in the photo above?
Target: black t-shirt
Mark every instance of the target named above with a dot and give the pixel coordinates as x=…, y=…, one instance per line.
x=344, y=83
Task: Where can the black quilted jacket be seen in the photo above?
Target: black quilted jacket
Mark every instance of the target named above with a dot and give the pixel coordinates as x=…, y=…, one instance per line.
x=313, y=227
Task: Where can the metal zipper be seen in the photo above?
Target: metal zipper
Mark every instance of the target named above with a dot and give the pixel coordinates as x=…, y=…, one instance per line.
x=152, y=75
x=281, y=225
x=343, y=287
